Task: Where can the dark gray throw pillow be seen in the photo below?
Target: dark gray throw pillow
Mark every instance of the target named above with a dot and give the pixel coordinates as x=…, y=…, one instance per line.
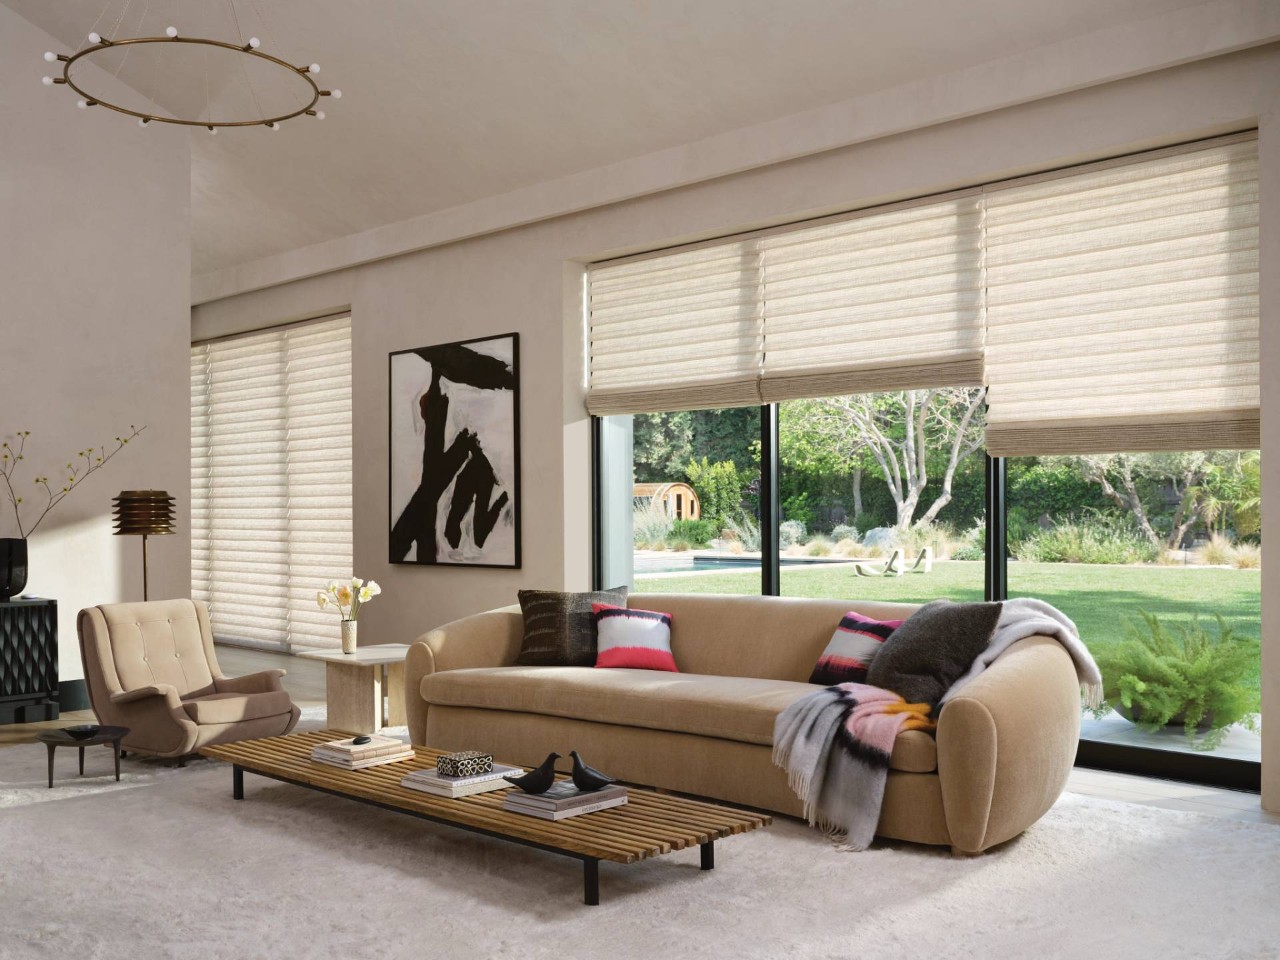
x=558, y=628
x=933, y=648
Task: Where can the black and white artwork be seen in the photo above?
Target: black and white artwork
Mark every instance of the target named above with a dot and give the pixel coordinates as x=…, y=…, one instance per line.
x=455, y=453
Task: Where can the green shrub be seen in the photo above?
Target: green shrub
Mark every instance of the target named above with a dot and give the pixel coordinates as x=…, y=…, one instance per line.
x=969, y=551
x=819, y=546
x=649, y=522
x=791, y=532
x=799, y=508
x=719, y=488
x=844, y=531
x=1158, y=677
x=700, y=533
x=1095, y=540
x=680, y=546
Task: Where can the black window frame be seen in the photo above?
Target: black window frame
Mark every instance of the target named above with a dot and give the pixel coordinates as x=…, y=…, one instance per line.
x=1177, y=765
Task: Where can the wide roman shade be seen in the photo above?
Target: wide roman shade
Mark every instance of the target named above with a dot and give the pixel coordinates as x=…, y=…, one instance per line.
x=883, y=299
x=271, y=479
x=1122, y=306
x=891, y=300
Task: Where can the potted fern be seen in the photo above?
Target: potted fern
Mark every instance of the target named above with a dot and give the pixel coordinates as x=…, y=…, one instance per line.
x=1162, y=676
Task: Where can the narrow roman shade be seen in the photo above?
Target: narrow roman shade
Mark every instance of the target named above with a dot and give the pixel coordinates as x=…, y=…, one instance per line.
x=680, y=331
x=1122, y=306
x=271, y=479
x=887, y=300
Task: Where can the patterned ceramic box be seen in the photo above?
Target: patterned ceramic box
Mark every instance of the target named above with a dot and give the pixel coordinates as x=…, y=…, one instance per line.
x=467, y=763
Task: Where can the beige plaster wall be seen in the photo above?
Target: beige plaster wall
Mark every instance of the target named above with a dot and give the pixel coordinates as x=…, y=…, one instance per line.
x=94, y=326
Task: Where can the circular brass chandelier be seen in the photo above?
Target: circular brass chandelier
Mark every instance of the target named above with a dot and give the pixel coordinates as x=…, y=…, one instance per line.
x=309, y=95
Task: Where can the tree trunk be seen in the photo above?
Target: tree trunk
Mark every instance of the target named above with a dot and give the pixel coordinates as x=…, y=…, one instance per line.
x=857, y=494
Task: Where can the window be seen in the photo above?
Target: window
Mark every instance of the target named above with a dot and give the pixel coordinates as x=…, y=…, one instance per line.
x=271, y=479
x=1094, y=329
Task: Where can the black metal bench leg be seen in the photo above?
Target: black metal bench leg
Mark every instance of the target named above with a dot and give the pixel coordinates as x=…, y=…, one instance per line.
x=237, y=782
x=708, y=855
x=591, y=882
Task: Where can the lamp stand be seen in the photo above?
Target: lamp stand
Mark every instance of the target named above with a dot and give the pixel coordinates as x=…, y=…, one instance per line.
x=144, y=568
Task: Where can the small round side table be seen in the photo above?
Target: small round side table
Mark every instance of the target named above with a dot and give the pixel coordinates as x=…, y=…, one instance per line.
x=60, y=738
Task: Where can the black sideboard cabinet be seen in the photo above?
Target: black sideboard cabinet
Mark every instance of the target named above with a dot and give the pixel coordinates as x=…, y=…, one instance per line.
x=28, y=660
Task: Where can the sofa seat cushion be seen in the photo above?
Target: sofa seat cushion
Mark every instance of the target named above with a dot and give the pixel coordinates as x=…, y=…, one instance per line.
x=235, y=707
x=730, y=708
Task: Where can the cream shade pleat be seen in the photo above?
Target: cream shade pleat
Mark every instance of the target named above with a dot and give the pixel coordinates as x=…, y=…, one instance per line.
x=271, y=480
x=678, y=332
x=1122, y=306
x=887, y=301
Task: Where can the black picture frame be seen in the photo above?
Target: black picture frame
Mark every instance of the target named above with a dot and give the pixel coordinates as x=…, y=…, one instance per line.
x=488, y=460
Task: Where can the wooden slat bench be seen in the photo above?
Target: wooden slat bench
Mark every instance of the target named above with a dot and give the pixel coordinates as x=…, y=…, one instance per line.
x=648, y=825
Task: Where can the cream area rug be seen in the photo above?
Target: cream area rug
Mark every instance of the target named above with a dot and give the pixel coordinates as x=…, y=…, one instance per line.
x=166, y=865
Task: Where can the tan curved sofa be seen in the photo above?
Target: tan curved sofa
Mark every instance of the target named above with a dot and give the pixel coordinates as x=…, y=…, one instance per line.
x=151, y=667
x=1001, y=756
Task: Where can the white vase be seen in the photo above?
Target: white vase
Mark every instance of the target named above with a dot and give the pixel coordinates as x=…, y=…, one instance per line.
x=348, y=636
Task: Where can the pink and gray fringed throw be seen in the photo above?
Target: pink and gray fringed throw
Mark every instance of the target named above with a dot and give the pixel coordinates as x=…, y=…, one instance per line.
x=835, y=746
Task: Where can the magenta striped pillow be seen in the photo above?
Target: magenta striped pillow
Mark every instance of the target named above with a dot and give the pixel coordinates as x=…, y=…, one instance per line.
x=640, y=639
x=852, y=648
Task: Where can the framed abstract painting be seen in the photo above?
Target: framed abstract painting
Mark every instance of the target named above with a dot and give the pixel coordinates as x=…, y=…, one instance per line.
x=455, y=454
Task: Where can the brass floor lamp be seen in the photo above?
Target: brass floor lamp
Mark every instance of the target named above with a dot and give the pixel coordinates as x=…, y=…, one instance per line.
x=146, y=513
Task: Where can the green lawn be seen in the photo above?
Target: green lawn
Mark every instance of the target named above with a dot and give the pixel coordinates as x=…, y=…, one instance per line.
x=1096, y=597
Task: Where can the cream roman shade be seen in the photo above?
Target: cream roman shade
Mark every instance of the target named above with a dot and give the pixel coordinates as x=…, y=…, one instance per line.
x=676, y=332
x=1122, y=306
x=891, y=300
x=271, y=479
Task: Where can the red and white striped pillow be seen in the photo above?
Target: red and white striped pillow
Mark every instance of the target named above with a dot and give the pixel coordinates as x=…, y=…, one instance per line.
x=640, y=639
x=851, y=649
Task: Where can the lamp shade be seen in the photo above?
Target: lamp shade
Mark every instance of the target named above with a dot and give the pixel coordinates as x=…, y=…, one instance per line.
x=146, y=512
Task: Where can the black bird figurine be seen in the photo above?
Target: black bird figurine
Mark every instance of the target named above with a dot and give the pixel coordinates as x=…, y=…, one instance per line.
x=587, y=778
x=540, y=780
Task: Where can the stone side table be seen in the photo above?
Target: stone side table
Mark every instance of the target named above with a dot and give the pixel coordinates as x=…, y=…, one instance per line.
x=365, y=689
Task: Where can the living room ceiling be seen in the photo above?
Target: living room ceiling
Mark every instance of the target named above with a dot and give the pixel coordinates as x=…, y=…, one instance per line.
x=450, y=101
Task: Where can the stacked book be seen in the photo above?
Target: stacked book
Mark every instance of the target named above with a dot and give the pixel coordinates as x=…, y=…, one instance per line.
x=564, y=800
x=350, y=755
x=436, y=784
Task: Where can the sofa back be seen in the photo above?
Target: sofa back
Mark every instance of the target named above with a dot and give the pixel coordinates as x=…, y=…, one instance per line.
x=776, y=638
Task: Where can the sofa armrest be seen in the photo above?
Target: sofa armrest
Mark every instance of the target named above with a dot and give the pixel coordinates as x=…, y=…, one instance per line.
x=265, y=681
x=164, y=691
x=1007, y=742
x=490, y=639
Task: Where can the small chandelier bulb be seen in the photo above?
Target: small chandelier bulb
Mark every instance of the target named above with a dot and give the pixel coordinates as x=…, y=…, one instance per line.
x=274, y=126
x=336, y=94
x=213, y=131
x=319, y=114
x=314, y=68
x=255, y=42
x=82, y=104
x=142, y=121
x=50, y=56
x=95, y=38
x=47, y=81
x=171, y=32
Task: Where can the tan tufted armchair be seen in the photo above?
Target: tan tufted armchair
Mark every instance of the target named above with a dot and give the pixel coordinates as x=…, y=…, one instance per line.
x=151, y=667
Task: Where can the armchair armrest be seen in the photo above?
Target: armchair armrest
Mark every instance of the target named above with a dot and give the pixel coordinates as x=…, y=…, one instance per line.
x=1006, y=744
x=265, y=681
x=489, y=639
x=168, y=693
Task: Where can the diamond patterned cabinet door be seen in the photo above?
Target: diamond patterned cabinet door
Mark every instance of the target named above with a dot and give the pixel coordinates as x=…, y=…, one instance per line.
x=28, y=660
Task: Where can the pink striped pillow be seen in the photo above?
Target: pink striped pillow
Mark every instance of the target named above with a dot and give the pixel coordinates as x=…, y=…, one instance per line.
x=640, y=639
x=851, y=649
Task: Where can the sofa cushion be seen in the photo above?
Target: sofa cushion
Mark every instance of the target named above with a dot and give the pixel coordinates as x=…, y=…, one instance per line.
x=558, y=628
x=730, y=708
x=234, y=707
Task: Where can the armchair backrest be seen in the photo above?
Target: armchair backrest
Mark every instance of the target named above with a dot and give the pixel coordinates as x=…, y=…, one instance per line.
x=126, y=646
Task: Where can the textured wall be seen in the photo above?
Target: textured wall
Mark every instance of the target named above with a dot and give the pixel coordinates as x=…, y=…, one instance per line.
x=94, y=326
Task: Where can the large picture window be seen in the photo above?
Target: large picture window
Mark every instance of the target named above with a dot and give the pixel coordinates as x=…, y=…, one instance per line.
x=271, y=480
x=1046, y=387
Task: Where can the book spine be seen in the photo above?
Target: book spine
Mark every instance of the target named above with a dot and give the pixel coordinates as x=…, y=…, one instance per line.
x=536, y=802
x=566, y=814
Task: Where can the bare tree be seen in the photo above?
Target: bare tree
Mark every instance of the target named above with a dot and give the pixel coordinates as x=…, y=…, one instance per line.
x=903, y=432
x=1121, y=476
